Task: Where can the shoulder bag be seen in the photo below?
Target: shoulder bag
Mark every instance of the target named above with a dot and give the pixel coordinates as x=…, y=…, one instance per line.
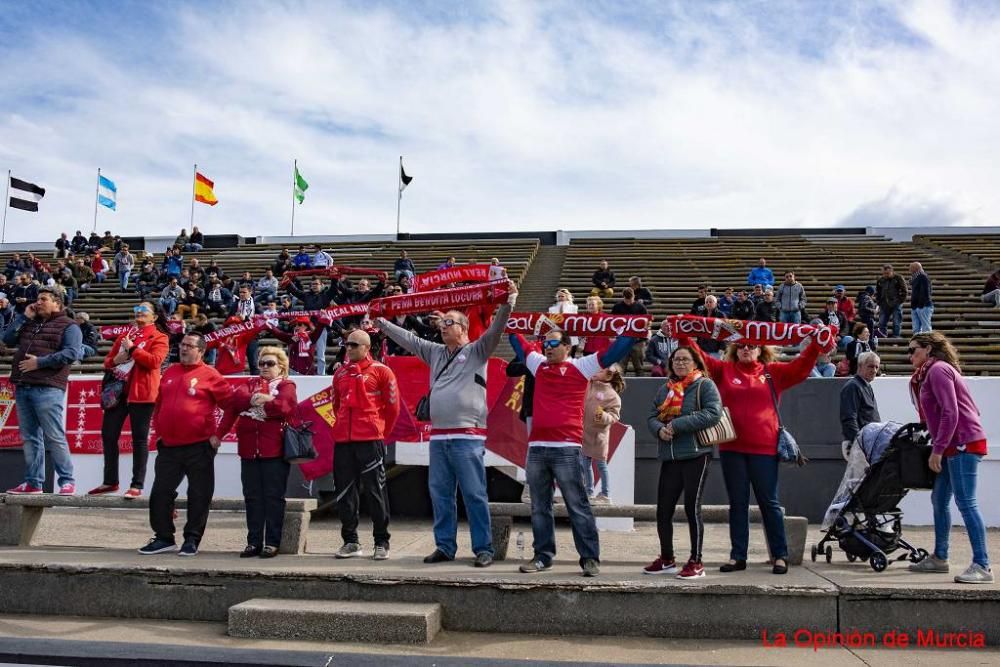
x=297, y=442
x=788, y=449
x=423, y=411
x=722, y=432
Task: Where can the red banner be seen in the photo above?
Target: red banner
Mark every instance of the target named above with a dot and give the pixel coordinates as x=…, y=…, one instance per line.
x=111, y=332
x=332, y=272
x=318, y=409
x=755, y=333
x=10, y=433
x=445, y=299
x=466, y=273
x=579, y=324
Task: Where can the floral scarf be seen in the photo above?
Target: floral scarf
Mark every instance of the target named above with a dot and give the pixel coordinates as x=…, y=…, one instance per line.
x=674, y=402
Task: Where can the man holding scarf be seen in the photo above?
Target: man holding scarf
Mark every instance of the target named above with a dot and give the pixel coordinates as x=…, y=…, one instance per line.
x=458, y=425
x=366, y=405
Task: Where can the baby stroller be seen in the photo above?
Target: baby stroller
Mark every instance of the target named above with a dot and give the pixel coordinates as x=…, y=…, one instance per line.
x=887, y=460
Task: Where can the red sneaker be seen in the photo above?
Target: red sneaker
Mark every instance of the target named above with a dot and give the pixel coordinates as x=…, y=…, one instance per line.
x=132, y=493
x=102, y=489
x=692, y=570
x=67, y=489
x=24, y=489
x=660, y=566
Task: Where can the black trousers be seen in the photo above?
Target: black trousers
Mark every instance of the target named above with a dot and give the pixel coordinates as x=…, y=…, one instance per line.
x=677, y=477
x=139, y=416
x=173, y=464
x=358, y=467
x=264, y=483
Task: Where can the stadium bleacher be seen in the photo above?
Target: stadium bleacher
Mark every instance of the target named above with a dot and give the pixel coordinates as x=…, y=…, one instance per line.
x=672, y=268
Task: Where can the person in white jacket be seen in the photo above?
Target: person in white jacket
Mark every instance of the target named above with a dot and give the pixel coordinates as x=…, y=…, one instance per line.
x=564, y=304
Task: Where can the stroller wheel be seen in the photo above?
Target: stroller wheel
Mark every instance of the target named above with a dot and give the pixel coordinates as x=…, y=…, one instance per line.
x=878, y=561
x=829, y=553
x=919, y=555
x=813, y=553
x=851, y=557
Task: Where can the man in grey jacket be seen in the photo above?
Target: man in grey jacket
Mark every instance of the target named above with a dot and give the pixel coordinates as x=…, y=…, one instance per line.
x=791, y=298
x=857, y=400
x=458, y=425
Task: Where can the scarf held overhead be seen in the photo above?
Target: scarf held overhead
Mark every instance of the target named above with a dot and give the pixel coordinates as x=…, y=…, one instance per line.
x=445, y=299
x=754, y=333
x=333, y=272
x=466, y=273
x=110, y=332
x=579, y=324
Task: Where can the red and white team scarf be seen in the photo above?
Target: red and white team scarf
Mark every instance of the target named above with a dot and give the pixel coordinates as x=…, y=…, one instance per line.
x=219, y=336
x=113, y=331
x=579, y=324
x=466, y=273
x=755, y=333
x=325, y=315
x=445, y=299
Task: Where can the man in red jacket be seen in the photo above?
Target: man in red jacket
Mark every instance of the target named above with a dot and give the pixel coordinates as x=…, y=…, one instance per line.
x=184, y=419
x=366, y=405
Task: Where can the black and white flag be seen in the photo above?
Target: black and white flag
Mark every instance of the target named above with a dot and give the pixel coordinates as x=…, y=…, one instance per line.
x=404, y=180
x=25, y=195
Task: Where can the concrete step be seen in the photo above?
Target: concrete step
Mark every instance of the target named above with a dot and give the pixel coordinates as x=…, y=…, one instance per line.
x=336, y=620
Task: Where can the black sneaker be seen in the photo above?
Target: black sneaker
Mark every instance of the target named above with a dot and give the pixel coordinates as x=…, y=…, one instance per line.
x=251, y=551
x=438, y=556
x=484, y=559
x=157, y=546
x=733, y=566
x=591, y=568
x=189, y=548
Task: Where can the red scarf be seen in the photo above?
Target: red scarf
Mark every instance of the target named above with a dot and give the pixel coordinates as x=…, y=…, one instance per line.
x=755, y=333
x=467, y=273
x=917, y=381
x=357, y=393
x=445, y=299
x=579, y=324
x=674, y=402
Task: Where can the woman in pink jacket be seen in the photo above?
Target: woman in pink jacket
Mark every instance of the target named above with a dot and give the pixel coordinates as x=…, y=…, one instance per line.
x=944, y=403
x=601, y=408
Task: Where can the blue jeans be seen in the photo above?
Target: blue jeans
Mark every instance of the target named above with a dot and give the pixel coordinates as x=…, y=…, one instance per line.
x=844, y=342
x=562, y=465
x=169, y=305
x=823, y=371
x=790, y=316
x=922, y=318
x=123, y=279
x=897, y=320
x=958, y=477
x=40, y=415
x=740, y=472
x=88, y=351
x=459, y=461
x=587, y=466
x=321, y=352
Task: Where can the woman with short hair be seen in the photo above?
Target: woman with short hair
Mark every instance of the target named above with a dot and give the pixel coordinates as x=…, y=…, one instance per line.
x=688, y=402
x=944, y=403
x=260, y=409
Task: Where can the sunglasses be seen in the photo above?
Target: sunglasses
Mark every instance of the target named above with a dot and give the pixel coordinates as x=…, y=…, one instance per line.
x=267, y=364
x=351, y=344
x=910, y=351
x=141, y=309
x=746, y=346
x=552, y=344
x=448, y=322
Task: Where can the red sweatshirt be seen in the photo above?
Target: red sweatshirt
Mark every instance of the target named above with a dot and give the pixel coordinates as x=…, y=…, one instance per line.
x=745, y=392
x=185, y=408
x=150, y=349
x=365, y=401
x=260, y=439
x=232, y=356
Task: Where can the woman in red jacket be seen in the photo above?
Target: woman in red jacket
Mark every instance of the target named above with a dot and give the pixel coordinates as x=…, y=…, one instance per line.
x=752, y=459
x=135, y=357
x=260, y=409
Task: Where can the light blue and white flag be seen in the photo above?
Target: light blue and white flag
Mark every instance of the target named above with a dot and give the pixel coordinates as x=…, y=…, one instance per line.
x=107, y=193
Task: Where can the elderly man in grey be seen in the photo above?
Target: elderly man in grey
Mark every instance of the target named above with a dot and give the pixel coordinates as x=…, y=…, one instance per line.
x=857, y=400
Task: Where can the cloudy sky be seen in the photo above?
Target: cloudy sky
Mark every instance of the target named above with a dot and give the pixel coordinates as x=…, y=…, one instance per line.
x=510, y=115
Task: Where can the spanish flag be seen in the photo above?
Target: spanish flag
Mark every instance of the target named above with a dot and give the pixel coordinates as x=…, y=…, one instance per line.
x=204, y=190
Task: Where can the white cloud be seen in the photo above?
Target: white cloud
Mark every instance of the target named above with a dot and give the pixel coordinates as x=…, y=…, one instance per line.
x=526, y=116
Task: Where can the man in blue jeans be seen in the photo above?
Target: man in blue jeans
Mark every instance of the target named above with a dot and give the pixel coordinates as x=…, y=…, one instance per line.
x=458, y=425
x=555, y=442
x=48, y=342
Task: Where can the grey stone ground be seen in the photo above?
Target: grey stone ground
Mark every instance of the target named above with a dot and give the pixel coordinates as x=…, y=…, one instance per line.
x=623, y=554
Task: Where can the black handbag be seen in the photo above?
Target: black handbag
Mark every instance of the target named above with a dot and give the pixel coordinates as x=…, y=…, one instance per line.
x=298, y=443
x=423, y=410
x=788, y=448
x=114, y=391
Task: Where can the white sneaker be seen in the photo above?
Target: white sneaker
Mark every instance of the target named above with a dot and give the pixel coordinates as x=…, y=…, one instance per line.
x=931, y=564
x=975, y=574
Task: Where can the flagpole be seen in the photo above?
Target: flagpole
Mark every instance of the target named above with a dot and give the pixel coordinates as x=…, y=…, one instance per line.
x=399, y=193
x=194, y=189
x=295, y=169
x=6, y=201
x=97, y=193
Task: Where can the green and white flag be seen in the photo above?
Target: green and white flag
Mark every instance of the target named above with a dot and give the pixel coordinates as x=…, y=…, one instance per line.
x=300, y=186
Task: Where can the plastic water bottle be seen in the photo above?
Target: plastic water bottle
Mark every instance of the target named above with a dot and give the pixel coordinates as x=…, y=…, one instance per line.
x=520, y=544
